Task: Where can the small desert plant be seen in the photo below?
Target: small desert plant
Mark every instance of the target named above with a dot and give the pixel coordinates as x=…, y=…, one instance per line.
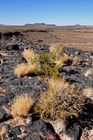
x=3, y=132
x=74, y=60
x=57, y=50
x=29, y=55
x=58, y=54
x=21, y=105
x=2, y=90
x=25, y=69
x=60, y=101
x=62, y=60
x=88, y=92
x=47, y=64
x=89, y=72
x=20, y=70
x=32, y=69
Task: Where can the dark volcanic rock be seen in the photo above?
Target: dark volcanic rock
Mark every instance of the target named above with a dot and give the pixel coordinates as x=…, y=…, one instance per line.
x=72, y=51
x=12, y=47
x=15, y=130
x=40, y=126
x=3, y=115
x=75, y=74
x=10, y=35
x=74, y=133
x=33, y=137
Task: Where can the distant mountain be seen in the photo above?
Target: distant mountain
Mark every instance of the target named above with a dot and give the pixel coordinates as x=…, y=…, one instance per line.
x=2, y=25
x=39, y=24
x=76, y=26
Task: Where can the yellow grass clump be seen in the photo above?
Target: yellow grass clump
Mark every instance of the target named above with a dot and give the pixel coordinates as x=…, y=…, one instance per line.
x=89, y=72
x=32, y=69
x=21, y=105
x=60, y=57
x=29, y=55
x=62, y=60
x=3, y=132
x=24, y=69
x=60, y=101
x=2, y=90
x=59, y=84
x=75, y=61
x=88, y=92
x=20, y=70
x=56, y=48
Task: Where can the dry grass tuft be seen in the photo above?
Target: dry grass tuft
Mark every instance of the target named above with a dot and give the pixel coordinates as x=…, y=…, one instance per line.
x=20, y=70
x=88, y=92
x=57, y=50
x=3, y=132
x=75, y=61
x=62, y=60
x=60, y=101
x=21, y=105
x=32, y=69
x=56, y=47
x=28, y=54
x=59, y=56
x=24, y=69
x=89, y=72
x=2, y=90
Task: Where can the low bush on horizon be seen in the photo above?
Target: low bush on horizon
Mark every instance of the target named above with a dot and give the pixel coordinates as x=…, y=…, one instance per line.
x=60, y=101
x=21, y=105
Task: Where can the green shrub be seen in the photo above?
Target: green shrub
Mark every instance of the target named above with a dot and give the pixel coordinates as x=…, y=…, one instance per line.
x=48, y=65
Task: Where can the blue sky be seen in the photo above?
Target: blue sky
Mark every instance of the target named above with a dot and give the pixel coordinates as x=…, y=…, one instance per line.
x=60, y=12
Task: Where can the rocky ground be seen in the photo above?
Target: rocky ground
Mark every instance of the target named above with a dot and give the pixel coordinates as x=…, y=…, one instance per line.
x=31, y=127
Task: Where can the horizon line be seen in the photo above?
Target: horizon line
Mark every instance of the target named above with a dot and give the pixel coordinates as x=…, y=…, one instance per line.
x=38, y=23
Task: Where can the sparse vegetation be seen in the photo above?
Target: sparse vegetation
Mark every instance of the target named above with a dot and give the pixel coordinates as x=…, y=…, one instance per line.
x=46, y=63
x=75, y=61
x=54, y=99
x=60, y=101
x=89, y=72
x=21, y=105
x=20, y=70
x=25, y=69
x=2, y=90
x=88, y=92
x=60, y=58
x=32, y=69
x=57, y=50
x=29, y=55
x=48, y=66
x=3, y=132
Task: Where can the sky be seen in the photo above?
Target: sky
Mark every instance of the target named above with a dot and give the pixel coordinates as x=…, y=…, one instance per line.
x=59, y=12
